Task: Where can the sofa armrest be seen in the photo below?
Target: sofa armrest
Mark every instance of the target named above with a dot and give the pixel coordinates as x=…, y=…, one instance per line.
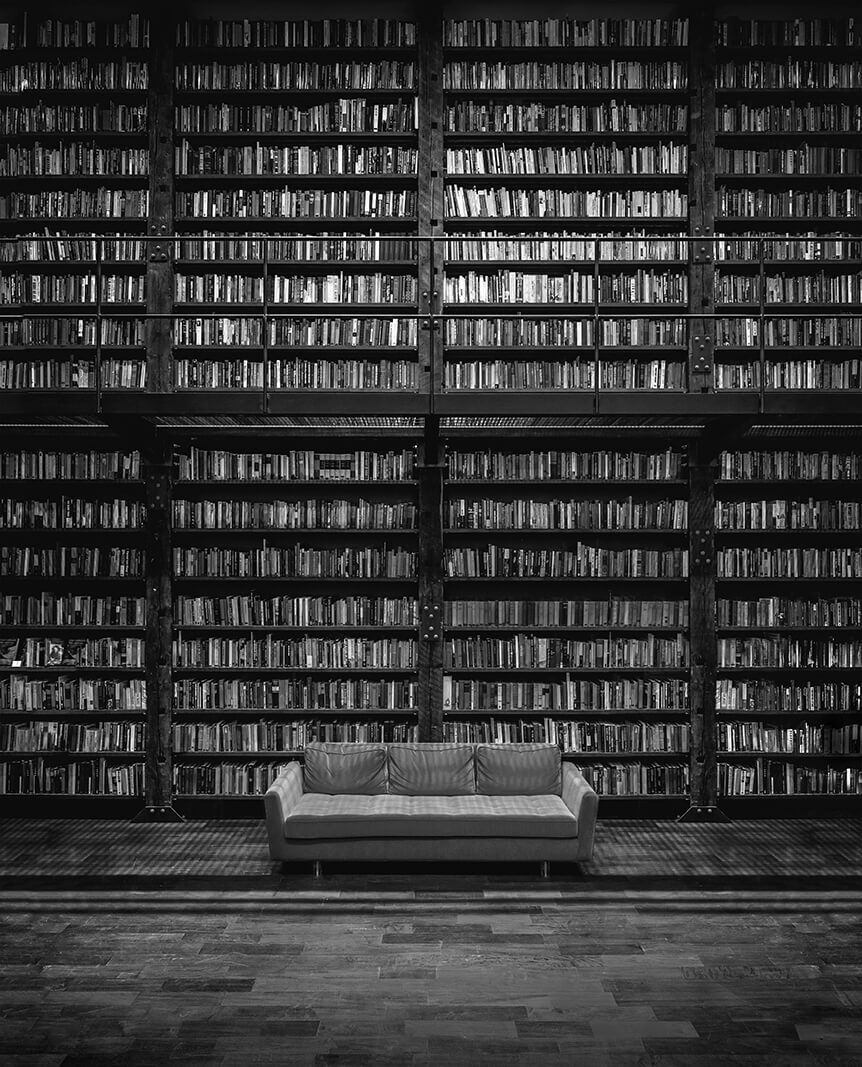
x=278, y=801
x=583, y=802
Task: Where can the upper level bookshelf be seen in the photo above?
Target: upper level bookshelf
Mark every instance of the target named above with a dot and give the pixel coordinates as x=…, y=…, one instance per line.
x=788, y=204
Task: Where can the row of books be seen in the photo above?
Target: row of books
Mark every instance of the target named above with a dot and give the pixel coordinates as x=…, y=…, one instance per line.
x=78, y=652
x=101, y=203
x=575, y=737
x=74, y=778
x=132, y=32
x=72, y=374
x=801, y=159
x=768, y=696
x=61, y=247
x=516, y=286
x=73, y=289
x=773, y=611
x=786, y=563
x=563, y=332
x=261, y=204
x=296, y=694
x=806, y=738
x=815, y=288
x=632, y=695
x=270, y=75
x=789, y=464
x=792, y=32
x=790, y=374
x=636, y=779
x=76, y=74
x=541, y=247
x=268, y=736
x=531, y=652
x=799, y=203
x=76, y=157
x=570, y=75
x=535, y=116
x=293, y=515
x=108, y=116
x=71, y=513
x=779, y=778
x=604, y=158
x=71, y=561
x=340, y=288
x=371, y=332
x=789, y=331
x=18, y=693
x=39, y=736
x=583, y=561
x=774, y=651
x=295, y=611
x=565, y=33
x=810, y=116
x=203, y=464
x=627, y=514
x=562, y=465
x=246, y=246
x=332, y=652
x=53, y=609
x=788, y=515
x=258, y=159
x=789, y=73
x=225, y=779
x=304, y=33
x=614, y=611
x=89, y=465
x=298, y=561
x=354, y=114
x=465, y=202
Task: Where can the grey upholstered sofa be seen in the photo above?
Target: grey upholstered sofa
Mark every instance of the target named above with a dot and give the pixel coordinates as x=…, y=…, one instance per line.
x=428, y=801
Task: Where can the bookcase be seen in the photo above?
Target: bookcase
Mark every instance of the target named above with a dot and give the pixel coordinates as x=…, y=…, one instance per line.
x=789, y=574
x=72, y=620
x=565, y=204
x=74, y=203
x=788, y=278
x=296, y=205
x=223, y=232
x=566, y=605
x=295, y=579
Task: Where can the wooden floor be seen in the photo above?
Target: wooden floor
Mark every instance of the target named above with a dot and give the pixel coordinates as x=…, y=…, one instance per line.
x=679, y=944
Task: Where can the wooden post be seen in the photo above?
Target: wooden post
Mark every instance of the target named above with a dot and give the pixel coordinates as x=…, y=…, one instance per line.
x=703, y=766
x=701, y=194
x=160, y=274
x=158, y=570
x=431, y=585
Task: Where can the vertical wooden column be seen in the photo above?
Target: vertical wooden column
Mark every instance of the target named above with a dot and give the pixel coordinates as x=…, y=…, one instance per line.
x=703, y=767
x=160, y=274
x=431, y=584
x=432, y=169
x=158, y=475
x=701, y=194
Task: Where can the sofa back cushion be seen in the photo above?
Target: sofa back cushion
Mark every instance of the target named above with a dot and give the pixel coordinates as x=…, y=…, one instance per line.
x=345, y=767
x=431, y=769
x=518, y=770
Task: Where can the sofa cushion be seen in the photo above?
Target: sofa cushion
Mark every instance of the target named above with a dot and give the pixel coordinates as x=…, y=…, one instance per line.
x=317, y=816
x=518, y=770
x=431, y=769
x=344, y=767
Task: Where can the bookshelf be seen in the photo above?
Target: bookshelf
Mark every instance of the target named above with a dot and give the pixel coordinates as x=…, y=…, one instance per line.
x=295, y=577
x=296, y=185
x=74, y=203
x=788, y=623
x=787, y=205
x=566, y=195
x=566, y=611
x=72, y=624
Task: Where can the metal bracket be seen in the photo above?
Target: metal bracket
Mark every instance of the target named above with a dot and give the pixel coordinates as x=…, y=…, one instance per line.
x=703, y=813
x=159, y=813
x=430, y=621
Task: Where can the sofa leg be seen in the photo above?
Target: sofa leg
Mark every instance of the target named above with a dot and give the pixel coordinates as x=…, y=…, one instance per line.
x=317, y=869
x=544, y=868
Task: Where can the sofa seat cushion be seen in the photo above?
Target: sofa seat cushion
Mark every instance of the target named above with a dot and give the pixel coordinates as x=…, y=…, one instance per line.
x=318, y=815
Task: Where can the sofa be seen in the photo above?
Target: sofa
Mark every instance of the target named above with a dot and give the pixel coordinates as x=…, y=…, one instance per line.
x=430, y=801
